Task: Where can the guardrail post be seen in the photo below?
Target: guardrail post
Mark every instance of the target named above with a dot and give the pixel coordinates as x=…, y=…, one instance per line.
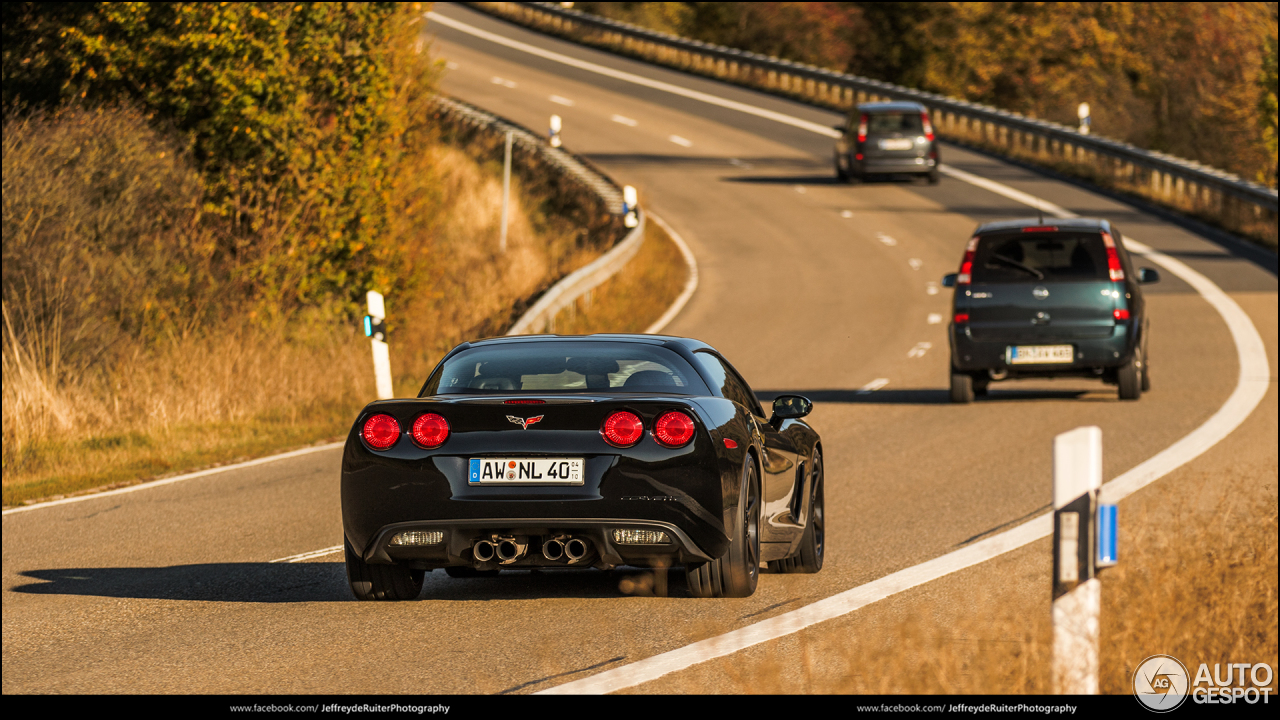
x=1077, y=594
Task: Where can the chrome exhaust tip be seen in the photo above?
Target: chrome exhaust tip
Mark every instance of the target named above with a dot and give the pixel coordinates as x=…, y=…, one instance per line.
x=999, y=374
x=483, y=550
x=511, y=549
x=576, y=549
x=553, y=549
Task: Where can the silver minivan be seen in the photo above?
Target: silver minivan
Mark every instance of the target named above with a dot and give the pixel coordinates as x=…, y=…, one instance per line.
x=887, y=138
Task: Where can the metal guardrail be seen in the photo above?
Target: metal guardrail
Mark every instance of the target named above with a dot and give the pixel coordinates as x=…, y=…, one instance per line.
x=1217, y=196
x=541, y=315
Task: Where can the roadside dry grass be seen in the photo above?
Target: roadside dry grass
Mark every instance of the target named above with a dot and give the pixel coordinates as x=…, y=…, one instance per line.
x=638, y=295
x=1197, y=580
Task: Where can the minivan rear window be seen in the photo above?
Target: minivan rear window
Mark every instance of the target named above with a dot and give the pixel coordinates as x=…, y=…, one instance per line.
x=1039, y=257
x=891, y=122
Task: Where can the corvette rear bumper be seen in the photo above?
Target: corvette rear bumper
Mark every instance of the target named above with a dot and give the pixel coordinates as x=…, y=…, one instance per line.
x=459, y=538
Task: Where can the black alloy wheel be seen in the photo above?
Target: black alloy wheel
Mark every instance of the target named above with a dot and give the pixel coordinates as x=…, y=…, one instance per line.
x=736, y=573
x=808, y=559
x=369, y=581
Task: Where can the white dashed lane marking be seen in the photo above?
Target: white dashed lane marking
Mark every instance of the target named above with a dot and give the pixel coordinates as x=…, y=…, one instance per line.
x=935, y=319
x=886, y=239
x=561, y=101
x=624, y=121
x=680, y=141
x=500, y=81
x=919, y=350
x=873, y=386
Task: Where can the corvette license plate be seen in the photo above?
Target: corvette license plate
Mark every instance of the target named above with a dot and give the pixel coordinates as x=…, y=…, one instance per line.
x=899, y=144
x=525, y=471
x=1045, y=354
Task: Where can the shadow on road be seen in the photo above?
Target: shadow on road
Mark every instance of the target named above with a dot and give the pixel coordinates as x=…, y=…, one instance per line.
x=927, y=396
x=327, y=582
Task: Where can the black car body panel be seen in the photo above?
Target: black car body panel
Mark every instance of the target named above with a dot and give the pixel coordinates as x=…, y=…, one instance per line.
x=691, y=492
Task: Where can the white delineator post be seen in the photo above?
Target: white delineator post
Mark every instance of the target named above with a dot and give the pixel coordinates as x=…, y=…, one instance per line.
x=506, y=192
x=630, y=202
x=1077, y=593
x=555, y=131
x=381, y=353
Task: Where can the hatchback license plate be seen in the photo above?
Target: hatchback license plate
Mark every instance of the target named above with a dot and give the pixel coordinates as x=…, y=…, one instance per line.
x=525, y=471
x=900, y=144
x=1048, y=354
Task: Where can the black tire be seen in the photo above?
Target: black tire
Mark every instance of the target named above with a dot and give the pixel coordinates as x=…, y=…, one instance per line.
x=736, y=573
x=369, y=581
x=469, y=572
x=1129, y=377
x=981, y=383
x=841, y=174
x=961, y=387
x=808, y=559
x=1146, y=367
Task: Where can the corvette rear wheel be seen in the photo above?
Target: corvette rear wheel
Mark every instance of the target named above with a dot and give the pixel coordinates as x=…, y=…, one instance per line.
x=809, y=558
x=961, y=387
x=381, y=582
x=736, y=573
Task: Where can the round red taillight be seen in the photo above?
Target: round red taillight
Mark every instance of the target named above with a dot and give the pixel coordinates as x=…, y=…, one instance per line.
x=673, y=429
x=622, y=429
x=381, y=431
x=430, y=430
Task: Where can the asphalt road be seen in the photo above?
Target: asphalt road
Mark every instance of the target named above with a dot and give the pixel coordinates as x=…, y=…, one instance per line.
x=806, y=285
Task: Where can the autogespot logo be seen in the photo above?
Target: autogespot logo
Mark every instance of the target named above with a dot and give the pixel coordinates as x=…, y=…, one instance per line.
x=1160, y=683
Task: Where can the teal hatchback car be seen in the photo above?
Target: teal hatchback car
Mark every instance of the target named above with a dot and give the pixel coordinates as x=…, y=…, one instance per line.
x=1048, y=300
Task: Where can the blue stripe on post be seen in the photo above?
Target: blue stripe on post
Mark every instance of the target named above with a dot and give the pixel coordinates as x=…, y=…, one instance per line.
x=1107, y=529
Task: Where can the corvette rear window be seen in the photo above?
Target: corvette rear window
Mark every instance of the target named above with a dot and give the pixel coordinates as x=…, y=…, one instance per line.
x=541, y=367
x=1040, y=257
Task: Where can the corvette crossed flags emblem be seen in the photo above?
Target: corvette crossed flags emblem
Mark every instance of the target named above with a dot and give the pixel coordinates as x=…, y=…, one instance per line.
x=524, y=424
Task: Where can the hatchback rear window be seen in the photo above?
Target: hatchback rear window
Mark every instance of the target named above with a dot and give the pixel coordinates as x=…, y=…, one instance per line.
x=586, y=366
x=891, y=122
x=1040, y=256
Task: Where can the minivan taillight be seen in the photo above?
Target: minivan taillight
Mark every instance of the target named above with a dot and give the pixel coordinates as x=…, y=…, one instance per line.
x=966, y=265
x=862, y=129
x=1114, y=268
x=928, y=126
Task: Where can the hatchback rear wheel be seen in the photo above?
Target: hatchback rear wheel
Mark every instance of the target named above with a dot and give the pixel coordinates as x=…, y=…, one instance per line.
x=1129, y=377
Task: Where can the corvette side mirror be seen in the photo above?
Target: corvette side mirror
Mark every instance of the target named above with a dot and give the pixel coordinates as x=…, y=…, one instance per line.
x=789, y=407
x=949, y=280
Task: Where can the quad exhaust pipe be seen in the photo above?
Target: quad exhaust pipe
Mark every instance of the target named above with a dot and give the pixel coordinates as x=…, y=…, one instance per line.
x=563, y=547
x=576, y=549
x=553, y=549
x=483, y=550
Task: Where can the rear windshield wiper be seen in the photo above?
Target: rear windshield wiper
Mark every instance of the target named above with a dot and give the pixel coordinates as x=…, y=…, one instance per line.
x=1014, y=263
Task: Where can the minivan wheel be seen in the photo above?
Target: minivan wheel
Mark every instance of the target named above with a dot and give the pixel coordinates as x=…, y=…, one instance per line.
x=961, y=387
x=1129, y=377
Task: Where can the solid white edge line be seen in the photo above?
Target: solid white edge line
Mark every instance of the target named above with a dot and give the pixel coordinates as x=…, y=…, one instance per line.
x=690, y=284
x=175, y=479
x=308, y=555
x=635, y=79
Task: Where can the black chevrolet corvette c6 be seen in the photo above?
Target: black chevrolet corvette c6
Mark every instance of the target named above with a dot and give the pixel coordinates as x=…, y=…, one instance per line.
x=590, y=451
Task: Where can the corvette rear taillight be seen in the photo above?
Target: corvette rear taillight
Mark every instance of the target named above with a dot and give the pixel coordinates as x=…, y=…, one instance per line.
x=381, y=431
x=430, y=431
x=966, y=266
x=622, y=429
x=673, y=429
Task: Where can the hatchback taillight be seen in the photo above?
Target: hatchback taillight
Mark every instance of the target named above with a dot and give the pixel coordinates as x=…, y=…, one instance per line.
x=622, y=429
x=1114, y=269
x=928, y=126
x=381, y=431
x=673, y=429
x=430, y=431
x=966, y=265
x=1120, y=314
